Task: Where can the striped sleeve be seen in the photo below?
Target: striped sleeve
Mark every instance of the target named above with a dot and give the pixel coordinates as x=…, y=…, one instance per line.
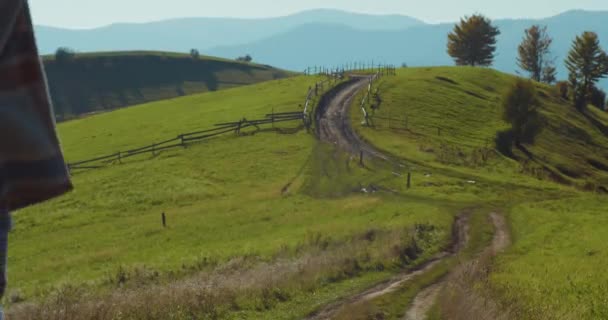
x=32, y=168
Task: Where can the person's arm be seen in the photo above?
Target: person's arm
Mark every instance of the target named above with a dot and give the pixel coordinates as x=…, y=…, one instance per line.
x=32, y=167
x=9, y=9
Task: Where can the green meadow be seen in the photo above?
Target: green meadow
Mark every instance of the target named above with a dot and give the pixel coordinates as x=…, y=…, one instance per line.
x=279, y=198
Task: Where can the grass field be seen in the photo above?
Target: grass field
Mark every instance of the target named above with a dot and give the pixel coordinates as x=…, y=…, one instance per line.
x=102, y=81
x=279, y=224
x=443, y=119
x=241, y=201
x=556, y=268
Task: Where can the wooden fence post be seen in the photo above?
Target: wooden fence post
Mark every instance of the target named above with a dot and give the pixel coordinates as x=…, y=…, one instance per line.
x=361, y=159
x=119, y=157
x=409, y=180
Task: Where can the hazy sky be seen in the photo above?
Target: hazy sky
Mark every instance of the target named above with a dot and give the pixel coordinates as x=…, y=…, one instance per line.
x=92, y=13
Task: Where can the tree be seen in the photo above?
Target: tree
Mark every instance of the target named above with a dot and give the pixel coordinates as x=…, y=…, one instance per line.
x=473, y=41
x=534, y=54
x=587, y=63
x=194, y=54
x=64, y=54
x=521, y=111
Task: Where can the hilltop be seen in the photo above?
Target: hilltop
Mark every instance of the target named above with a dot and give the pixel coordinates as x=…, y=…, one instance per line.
x=95, y=82
x=445, y=116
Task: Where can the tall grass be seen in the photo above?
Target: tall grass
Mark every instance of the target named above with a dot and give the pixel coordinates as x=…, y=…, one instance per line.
x=241, y=284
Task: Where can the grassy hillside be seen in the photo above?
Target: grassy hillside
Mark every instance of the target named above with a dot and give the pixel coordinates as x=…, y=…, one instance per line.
x=93, y=82
x=443, y=122
x=235, y=205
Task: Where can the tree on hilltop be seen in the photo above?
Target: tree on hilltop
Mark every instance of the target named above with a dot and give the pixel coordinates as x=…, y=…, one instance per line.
x=473, y=41
x=534, y=54
x=587, y=63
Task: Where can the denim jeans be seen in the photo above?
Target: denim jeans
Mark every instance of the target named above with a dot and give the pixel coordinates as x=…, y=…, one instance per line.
x=5, y=227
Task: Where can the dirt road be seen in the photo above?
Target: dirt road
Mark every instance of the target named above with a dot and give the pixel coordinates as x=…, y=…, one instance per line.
x=333, y=126
x=333, y=121
x=427, y=297
x=459, y=240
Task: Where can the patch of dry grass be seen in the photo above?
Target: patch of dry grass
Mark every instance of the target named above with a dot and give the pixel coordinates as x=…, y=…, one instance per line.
x=241, y=284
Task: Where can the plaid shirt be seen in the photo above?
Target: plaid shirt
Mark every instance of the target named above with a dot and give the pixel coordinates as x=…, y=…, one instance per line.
x=32, y=168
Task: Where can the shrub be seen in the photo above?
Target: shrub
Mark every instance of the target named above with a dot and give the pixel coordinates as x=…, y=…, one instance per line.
x=64, y=54
x=520, y=110
x=195, y=54
x=245, y=58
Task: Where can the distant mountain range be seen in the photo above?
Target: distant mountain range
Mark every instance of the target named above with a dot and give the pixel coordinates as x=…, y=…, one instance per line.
x=205, y=33
x=319, y=37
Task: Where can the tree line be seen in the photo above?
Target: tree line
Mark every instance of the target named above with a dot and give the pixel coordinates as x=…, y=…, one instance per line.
x=473, y=43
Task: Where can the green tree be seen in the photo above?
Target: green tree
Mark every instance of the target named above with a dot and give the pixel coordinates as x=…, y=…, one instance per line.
x=521, y=111
x=587, y=63
x=534, y=54
x=473, y=41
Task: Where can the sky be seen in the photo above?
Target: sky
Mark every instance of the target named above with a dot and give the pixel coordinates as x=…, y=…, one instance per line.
x=95, y=13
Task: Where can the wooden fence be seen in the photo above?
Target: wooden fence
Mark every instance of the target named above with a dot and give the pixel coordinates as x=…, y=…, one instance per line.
x=353, y=67
x=182, y=140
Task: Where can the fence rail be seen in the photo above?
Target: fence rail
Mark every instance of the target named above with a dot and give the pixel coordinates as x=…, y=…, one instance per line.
x=183, y=139
x=333, y=75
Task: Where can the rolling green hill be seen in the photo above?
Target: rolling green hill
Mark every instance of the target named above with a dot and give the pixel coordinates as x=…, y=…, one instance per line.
x=272, y=224
x=234, y=205
x=94, y=82
x=443, y=123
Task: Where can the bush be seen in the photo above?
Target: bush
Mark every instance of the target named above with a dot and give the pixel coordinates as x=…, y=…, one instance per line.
x=246, y=58
x=195, y=54
x=64, y=54
x=563, y=89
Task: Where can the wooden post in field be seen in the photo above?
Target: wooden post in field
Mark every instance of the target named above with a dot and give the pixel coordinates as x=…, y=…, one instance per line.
x=119, y=157
x=164, y=219
x=409, y=180
x=361, y=159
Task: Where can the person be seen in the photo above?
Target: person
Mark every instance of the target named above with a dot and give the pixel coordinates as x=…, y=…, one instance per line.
x=32, y=167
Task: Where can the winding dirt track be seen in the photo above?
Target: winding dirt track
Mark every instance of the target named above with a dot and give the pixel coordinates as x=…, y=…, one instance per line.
x=333, y=126
x=426, y=298
x=333, y=121
x=459, y=240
